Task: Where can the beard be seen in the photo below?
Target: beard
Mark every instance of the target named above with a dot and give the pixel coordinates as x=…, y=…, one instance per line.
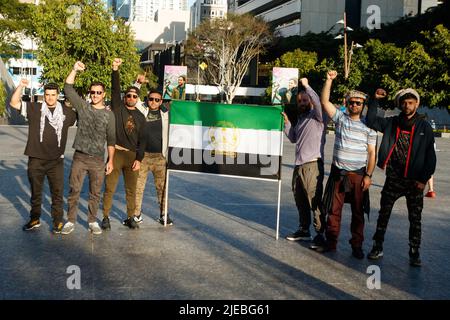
x=302, y=108
x=354, y=113
x=131, y=104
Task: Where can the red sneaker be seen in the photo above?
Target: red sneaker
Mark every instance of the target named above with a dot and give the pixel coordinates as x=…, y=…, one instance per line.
x=431, y=194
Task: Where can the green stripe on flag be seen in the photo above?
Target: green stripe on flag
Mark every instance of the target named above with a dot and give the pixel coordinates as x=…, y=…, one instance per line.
x=226, y=115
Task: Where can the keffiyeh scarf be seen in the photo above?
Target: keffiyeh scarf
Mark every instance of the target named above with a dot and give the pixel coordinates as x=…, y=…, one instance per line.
x=56, y=120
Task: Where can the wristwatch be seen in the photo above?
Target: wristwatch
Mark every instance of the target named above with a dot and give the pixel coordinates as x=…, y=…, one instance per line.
x=369, y=175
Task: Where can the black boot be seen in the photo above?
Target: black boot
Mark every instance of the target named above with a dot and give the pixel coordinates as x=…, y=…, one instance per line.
x=376, y=252
x=414, y=257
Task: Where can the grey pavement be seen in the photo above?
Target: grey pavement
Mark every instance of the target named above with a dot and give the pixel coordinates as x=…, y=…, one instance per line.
x=222, y=244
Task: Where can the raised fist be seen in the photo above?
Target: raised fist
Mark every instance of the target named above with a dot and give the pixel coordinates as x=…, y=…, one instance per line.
x=116, y=63
x=331, y=75
x=141, y=78
x=79, y=66
x=304, y=82
x=380, y=94
x=24, y=82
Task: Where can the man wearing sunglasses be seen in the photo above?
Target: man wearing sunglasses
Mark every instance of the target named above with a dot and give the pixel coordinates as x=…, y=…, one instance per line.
x=351, y=169
x=129, y=121
x=153, y=151
x=408, y=155
x=96, y=128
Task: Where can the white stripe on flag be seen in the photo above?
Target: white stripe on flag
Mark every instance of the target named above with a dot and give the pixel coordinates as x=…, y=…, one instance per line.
x=238, y=140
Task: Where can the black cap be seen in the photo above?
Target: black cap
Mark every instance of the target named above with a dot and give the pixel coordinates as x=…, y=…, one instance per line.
x=133, y=88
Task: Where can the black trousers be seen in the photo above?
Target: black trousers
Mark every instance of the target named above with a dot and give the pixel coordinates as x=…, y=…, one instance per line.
x=38, y=169
x=393, y=189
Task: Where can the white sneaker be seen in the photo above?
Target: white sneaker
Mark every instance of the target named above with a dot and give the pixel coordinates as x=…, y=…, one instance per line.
x=95, y=228
x=68, y=228
x=138, y=218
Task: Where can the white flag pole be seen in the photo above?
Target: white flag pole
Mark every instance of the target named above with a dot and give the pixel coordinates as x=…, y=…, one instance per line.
x=166, y=197
x=278, y=209
x=279, y=181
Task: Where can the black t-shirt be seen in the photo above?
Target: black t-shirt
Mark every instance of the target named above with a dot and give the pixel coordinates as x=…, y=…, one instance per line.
x=128, y=125
x=128, y=122
x=151, y=135
x=47, y=149
x=397, y=164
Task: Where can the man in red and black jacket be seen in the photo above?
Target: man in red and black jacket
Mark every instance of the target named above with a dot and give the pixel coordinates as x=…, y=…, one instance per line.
x=407, y=153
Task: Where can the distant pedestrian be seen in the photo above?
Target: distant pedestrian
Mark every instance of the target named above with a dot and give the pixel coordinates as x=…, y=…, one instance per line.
x=407, y=153
x=96, y=130
x=48, y=124
x=431, y=193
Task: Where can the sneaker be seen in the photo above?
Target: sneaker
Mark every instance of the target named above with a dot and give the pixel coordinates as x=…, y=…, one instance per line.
x=376, y=252
x=358, y=253
x=169, y=221
x=130, y=223
x=68, y=228
x=431, y=194
x=300, y=234
x=318, y=242
x=414, y=257
x=106, y=225
x=139, y=218
x=95, y=228
x=32, y=224
x=326, y=248
x=57, y=227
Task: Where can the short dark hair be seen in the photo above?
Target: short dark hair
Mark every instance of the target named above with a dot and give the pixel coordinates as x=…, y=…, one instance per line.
x=407, y=96
x=51, y=86
x=183, y=76
x=98, y=83
x=300, y=92
x=154, y=91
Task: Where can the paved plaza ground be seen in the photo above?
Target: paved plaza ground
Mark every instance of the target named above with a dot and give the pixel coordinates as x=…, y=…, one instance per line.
x=222, y=244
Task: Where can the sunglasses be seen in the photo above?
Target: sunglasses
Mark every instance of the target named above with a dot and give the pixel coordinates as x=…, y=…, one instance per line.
x=129, y=95
x=358, y=103
x=96, y=92
x=155, y=99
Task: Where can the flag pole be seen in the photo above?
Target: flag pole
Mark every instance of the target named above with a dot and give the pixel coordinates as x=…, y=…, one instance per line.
x=279, y=180
x=166, y=197
x=278, y=209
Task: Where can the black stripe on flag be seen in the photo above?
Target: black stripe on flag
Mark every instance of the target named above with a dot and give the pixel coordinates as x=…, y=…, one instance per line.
x=232, y=163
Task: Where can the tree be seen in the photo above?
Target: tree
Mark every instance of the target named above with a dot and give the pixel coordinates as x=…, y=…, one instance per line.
x=304, y=61
x=15, y=19
x=228, y=46
x=2, y=100
x=71, y=30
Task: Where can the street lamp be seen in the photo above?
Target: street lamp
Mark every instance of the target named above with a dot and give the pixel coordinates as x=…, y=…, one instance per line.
x=347, y=54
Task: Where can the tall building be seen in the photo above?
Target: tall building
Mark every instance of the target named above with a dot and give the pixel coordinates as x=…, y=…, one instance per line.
x=298, y=17
x=207, y=9
x=145, y=10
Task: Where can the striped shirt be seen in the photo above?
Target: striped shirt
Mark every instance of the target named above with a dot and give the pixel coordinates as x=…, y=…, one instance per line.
x=351, y=142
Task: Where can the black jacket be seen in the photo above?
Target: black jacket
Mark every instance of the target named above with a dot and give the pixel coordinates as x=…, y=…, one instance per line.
x=421, y=159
